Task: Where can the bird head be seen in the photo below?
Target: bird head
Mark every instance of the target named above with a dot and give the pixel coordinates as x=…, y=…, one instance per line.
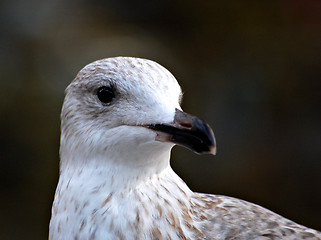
x=127, y=110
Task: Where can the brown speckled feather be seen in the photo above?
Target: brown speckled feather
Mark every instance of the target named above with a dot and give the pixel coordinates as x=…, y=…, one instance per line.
x=224, y=217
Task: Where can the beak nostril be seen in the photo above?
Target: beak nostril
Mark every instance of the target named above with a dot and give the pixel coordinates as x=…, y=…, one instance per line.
x=186, y=124
x=183, y=119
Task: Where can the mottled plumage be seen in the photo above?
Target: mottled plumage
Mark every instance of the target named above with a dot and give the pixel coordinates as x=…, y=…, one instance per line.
x=115, y=178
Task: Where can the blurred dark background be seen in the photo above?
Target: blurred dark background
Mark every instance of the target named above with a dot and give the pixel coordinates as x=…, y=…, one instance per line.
x=252, y=69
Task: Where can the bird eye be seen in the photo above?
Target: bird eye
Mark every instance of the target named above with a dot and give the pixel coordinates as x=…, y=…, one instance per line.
x=105, y=94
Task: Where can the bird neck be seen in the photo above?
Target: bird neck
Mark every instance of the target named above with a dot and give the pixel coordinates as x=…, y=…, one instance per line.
x=117, y=180
x=116, y=173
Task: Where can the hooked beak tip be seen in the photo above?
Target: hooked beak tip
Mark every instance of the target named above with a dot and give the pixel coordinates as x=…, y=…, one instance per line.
x=213, y=150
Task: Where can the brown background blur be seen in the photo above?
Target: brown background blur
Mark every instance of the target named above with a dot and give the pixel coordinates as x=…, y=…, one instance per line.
x=251, y=69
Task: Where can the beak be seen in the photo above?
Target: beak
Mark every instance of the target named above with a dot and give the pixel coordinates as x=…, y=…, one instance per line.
x=188, y=131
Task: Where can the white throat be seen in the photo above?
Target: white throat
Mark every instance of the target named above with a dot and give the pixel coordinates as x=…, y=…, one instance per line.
x=127, y=157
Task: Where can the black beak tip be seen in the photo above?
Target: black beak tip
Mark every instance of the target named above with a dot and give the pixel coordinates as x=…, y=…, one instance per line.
x=206, y=143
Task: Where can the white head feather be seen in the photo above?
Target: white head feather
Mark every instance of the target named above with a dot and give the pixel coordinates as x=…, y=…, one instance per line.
x=113, y=135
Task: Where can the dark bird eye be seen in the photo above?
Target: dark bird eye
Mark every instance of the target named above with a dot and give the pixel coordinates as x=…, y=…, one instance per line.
x=105, y=94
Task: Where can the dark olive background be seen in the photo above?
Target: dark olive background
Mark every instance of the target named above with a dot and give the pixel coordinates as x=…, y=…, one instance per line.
x=251, y=69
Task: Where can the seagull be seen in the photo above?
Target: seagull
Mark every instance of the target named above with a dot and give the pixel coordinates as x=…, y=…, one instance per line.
x=120, y=119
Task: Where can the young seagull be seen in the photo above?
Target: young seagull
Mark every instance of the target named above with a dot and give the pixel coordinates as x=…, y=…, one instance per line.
x=120, y=118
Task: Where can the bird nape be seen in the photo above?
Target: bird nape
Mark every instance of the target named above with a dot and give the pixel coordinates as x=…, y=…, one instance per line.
x=120, y=119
